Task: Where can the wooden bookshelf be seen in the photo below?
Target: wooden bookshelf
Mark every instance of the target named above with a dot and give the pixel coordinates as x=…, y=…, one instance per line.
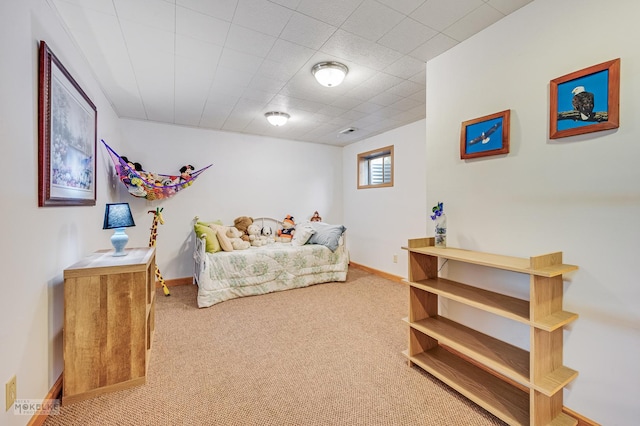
x=520, y=387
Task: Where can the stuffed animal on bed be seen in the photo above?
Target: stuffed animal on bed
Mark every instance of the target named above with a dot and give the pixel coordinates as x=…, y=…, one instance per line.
x=257, y=239
x=234, y=236
x=288, y=229
x=242, y=223
x=267, y=233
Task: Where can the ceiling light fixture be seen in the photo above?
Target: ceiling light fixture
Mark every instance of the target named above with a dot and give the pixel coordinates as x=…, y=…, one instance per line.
x=329, y=74
x=276, y=118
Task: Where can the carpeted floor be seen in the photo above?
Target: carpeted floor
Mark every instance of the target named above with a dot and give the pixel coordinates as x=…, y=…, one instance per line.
x=329, y=354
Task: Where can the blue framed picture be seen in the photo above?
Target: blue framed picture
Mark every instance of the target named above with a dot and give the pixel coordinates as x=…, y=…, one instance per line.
x=585, y=101
x=484, y=136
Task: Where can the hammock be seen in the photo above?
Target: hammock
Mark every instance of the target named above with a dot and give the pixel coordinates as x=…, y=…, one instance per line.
x=152, y=186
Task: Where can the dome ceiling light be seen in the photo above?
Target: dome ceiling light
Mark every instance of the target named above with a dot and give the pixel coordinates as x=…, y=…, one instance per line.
x=277, y=118
x=329, y=74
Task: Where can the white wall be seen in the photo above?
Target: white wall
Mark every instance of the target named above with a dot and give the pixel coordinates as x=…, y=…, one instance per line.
x=251, y=176
x=381, y=220
x=579, y=195
x=37, y=243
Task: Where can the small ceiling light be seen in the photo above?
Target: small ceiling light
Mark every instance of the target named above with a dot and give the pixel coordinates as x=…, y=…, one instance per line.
x=329, y=74
x=277, y=118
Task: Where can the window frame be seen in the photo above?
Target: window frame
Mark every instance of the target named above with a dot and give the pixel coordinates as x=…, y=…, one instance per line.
x=362, y=168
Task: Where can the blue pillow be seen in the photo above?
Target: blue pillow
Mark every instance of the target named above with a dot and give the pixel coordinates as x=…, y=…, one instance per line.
x=326, y=235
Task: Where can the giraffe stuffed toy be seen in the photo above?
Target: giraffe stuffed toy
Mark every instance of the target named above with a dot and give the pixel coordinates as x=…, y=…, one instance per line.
x=157, y=219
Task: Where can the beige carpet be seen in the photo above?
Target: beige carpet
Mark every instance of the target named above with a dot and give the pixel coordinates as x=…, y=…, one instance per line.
x=329, y=354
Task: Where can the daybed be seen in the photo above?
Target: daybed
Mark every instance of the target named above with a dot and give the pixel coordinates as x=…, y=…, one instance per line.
x=277, y=266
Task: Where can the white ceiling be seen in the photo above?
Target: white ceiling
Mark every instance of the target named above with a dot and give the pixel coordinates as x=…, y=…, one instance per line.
x=222, y=64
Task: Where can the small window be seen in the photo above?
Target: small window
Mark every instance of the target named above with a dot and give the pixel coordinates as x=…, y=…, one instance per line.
x=375, y=168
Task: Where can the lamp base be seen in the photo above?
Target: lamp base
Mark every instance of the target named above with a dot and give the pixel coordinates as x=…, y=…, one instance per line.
x=119, y=239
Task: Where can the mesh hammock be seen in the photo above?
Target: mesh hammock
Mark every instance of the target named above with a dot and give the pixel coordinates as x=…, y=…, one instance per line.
x=152, y=186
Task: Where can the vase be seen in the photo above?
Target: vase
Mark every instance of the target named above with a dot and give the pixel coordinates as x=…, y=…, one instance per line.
x=441, y=230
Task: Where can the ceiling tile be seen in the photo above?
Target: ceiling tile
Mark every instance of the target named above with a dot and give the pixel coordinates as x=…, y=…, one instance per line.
x=249, y=41
x=201, y=27
x=289, y=4
x=407, y=88
x=407, y=35
x=290, y=54
x=439, y=14
x=333, y=12
x=403, y=6
x=206, y=54
x=507, y=6
x=262, y=15
x=405, y=67
x=357, y=49
x=239, y=61
x=372, y=20
x=221, y=9
x=152, y=13
x=231, y=78
x=102, y=6
x=437, y=45
x=307, y=31
x=474, y=22
x=141, y=38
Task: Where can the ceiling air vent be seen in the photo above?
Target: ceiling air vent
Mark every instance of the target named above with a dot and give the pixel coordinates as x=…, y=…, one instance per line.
x=347, y=131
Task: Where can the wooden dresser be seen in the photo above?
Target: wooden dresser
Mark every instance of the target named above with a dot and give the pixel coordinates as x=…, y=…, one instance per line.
x=109, y=305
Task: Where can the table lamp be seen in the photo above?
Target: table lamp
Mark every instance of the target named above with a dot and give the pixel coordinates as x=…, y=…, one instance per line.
x=117, y=216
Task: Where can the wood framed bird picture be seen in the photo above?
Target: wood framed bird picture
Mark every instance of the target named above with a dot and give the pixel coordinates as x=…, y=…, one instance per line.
x=484, y=136
x=585, y=101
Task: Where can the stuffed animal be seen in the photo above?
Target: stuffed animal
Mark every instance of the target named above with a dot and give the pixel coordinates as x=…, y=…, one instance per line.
x=234, y=236
x=185, y=172
x=267, y=233
x=257, y=239
x=288, y=229
x=316, y=217
x=134, y=166
x=242, y=223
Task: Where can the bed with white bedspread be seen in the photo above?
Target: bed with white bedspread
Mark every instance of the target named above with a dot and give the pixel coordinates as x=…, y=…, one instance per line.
x=279, y=266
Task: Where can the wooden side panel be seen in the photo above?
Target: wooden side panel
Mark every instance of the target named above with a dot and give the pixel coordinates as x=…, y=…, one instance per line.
x=422, y=304
x=544, y=409
x=82, y=334
x=422, y=267
x=545, y=353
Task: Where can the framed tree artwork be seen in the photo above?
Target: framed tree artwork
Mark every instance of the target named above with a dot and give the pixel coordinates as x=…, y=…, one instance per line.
x=67, y=121
x=585, y=101
x=484, y=136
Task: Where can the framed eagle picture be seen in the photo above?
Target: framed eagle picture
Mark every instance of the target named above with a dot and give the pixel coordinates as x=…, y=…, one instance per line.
x=585, y=101
x=484, y=136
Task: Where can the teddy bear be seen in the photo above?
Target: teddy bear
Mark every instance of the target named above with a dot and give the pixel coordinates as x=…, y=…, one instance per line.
x=257, y=239
x=288, y=229
x=234, y=236
x=242, y=223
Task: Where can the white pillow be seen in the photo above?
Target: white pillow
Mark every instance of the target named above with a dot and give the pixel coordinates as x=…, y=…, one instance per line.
x=302, y=235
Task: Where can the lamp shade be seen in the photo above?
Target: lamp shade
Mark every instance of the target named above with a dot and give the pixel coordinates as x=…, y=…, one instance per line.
x=276, y=118
x=329, y=74
x=118, y=216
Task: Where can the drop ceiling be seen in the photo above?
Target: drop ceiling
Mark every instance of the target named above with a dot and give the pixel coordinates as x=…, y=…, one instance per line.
x=222, y=64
